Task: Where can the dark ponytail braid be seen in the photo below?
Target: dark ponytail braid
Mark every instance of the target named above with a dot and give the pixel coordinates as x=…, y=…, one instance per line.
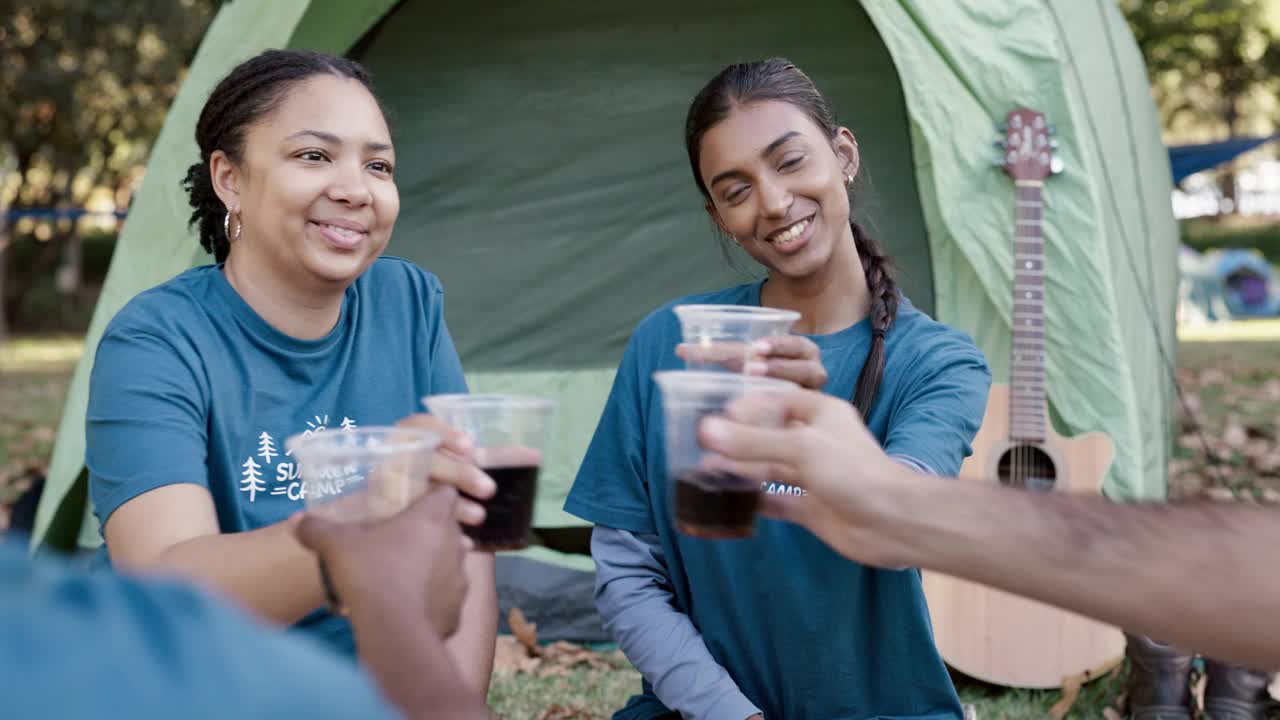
x=249, y=92
x=779, y=79
x=883, y=290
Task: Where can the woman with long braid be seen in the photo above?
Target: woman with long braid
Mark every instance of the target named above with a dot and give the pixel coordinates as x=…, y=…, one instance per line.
x=779, y=626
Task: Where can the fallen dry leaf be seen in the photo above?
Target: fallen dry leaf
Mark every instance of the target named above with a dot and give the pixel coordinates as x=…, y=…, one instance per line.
x=1070, y=691
x=509, y=654
x=561, y=712
x=1256, y=448
x=1220, y=494
x=1190, y=441
x=1212, y=376
x=1267, y=464
x=1193, y=403
x=525, y=631
x=549, y=671
x=566, y=654
x=1234, y=435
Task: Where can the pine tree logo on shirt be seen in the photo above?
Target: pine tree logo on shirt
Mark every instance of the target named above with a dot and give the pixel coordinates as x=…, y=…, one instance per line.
x=266, y=447
x=252, y=482
x=287, y=479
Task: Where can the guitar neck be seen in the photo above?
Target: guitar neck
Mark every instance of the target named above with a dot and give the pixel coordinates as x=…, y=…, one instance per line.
x=1027, y=407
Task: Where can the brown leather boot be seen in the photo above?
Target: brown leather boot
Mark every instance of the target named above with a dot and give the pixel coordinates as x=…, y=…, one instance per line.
x=1235, y=693
x=1159, y=677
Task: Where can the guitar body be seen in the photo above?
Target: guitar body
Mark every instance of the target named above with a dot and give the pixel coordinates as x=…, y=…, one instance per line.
x=1003, y=638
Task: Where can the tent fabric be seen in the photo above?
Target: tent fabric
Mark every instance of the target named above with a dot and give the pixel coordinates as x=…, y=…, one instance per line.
x=556, y=592
x=1190, y=159
x=543, y=178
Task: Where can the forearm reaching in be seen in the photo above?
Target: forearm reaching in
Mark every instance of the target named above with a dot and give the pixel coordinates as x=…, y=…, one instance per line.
x=1198, y=575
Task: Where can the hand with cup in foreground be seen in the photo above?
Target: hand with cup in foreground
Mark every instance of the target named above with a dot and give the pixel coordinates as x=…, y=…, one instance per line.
x=786, y=357
x=401, y=580
x=1086, y=554
x=451, y=464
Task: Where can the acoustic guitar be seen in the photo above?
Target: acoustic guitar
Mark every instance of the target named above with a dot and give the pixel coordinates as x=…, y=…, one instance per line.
x=982, y=632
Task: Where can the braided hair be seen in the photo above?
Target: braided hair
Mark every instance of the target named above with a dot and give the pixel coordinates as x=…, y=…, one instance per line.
x=779, y=79
x=252, y=90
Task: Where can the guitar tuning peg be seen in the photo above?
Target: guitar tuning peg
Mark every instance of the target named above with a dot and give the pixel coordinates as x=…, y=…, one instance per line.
x=1056, y=166
x=1053, y=144
x=1001, y=144
x=1003, y=128
x=1053, y=130
x=997, y=161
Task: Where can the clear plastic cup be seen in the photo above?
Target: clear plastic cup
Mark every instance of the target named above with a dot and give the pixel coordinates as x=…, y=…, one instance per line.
x=510, y=435
x=363, y=473
x=720, y=337
x=708, y=500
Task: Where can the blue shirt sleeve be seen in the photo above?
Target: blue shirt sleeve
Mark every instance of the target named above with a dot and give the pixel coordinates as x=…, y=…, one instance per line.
x=611, y=488
x=941, y=408
x=146, y=424
x=101, y=645
x=446, y=368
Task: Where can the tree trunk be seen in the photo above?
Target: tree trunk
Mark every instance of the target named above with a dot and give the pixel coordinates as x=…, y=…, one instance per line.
x=1227, y=178
x=4, y=270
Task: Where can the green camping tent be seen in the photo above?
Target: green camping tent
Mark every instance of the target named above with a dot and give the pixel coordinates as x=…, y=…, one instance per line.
x=543, y=178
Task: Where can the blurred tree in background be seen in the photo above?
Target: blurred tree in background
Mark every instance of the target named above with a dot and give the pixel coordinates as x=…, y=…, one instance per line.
x=1214, y=66
x=86, y=85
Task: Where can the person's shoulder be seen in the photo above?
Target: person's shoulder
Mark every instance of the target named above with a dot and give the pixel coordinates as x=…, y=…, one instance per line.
x=920, y=341
x=392, y=273
x=168, y=306
x=166, y=629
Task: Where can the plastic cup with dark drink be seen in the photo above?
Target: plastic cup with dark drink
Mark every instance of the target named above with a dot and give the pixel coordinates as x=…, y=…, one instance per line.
x=707, y=500
x=361, y=473
x=720, y=337
x=510, y=434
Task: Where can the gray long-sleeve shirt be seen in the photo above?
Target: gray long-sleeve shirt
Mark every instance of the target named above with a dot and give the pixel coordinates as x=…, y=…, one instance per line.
x=636, y=603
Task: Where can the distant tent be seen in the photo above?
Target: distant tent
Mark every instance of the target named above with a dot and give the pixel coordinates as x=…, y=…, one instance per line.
x=1229, y=284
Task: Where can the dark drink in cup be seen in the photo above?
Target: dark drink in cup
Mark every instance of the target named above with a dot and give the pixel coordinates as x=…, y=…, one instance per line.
x=715, y=504
x=509, y=513
x=509, y=436
x=706, y=500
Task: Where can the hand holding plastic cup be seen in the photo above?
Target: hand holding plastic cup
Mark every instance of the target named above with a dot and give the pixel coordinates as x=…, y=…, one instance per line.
x=708, y=500
x=364, y=473
x=720, y=337
x=509, y=434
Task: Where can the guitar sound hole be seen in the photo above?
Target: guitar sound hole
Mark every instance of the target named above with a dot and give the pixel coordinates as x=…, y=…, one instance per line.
x=1027, y=466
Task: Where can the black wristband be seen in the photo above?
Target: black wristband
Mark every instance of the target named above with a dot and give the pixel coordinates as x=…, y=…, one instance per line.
x=330, y=595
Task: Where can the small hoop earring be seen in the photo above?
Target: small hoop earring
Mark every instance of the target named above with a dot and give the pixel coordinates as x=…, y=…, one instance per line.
x=226, y=227
x=848, y=180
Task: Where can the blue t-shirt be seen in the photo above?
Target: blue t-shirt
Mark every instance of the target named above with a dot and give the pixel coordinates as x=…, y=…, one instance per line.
x=191, y=385
x=99, y=645
x=805, y=633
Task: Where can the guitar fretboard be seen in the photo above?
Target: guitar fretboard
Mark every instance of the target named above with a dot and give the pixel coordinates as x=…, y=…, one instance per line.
x=1027, y=395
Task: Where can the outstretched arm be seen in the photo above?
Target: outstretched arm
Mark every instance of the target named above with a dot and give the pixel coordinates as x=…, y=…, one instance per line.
x=1198, y=575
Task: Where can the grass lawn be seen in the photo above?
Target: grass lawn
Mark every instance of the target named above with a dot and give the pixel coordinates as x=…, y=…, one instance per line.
x=1230, y=376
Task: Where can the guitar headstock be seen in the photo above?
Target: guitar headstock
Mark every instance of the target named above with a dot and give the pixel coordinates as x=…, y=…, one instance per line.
x=1028, y=148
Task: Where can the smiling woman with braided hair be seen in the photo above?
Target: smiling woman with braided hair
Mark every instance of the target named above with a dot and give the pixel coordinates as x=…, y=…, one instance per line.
x=299, y=325
x=778, y=625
